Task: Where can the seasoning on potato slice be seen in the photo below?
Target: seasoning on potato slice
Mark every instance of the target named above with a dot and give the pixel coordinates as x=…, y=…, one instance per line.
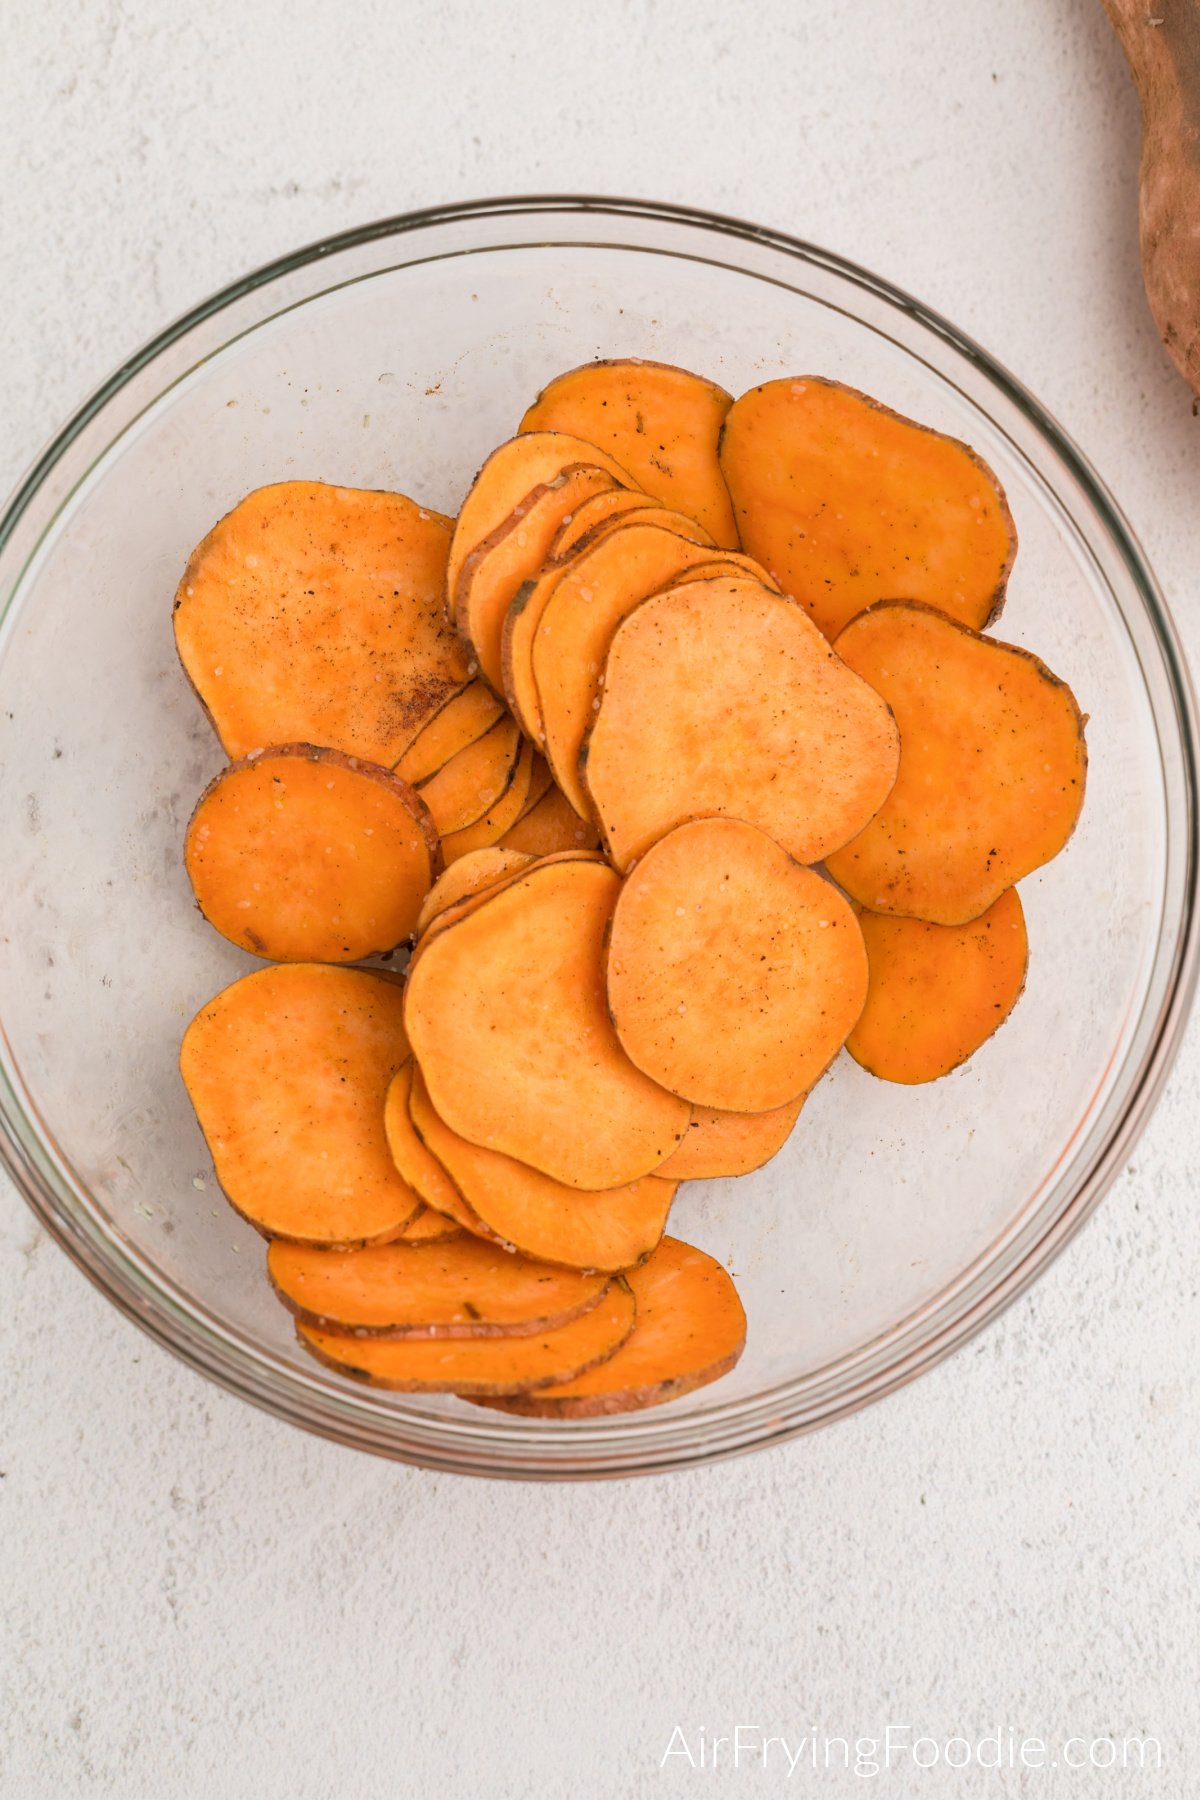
x=461, y=1289
x=470, y=784
x=499, y=818
x=847, y=502
x=507, y=1018
x=471, y=874
x=313, y=614
x=481, y=1365
x=936, y=993
x=734, y=974
x=287, y=1070
x=460, y=722
x=721, y=697
x=308, y=855
x=661, y=422
x=731, y=1143
x=539, y=1216
x=993, y=766
x=417, y=1164
x=426, y=1228
x=690, y=1330
x=553, y=824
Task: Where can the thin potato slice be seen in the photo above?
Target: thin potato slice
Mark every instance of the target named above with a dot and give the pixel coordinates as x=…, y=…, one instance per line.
x=471, y=874
x=936, y=993
x=417, y=1164
x=663, y=423
x=287, y=1070
x=458, y=909
x=591, y=514
x=540, y=783
x=721, y=697
x=313, y=614
x=461, y=1289
x=307, y=855
x=470, y=784
x=482, y=1365
x=734, y=974
x=847, y=502
x=541, y=1217
x=552, y=825
x=993, y=766
x=690, y=1330
x=499, y=818
x=507, y=1018
x=731, y=1143
x=426, y=1228
x=460, y=722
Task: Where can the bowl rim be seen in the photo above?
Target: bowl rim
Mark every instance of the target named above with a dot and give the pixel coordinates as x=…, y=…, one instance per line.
x=252, y=1375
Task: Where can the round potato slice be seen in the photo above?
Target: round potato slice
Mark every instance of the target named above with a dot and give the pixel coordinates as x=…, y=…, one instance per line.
x=691, y=1329
x=458, y=723
x=427, y=1227
x=499, y=818
x=417, y=1164
x=591, y=514
x=507, y=1017
x=307, y=855
x=471, y=874
x=721, y=697
x=734, y=974
x=730, y=1143
x=469, y=785
x=553, y=824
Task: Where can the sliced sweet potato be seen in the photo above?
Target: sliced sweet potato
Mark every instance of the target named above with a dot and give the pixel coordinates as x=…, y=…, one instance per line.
x=539, y=1216
x=510, y=474
x=471, y=874
x=734, y=974
x=470, y=784
x=499, y=818
x=313, y=614
x=721, y=697
x=307, y=855
x=540, y=783
x=661, y=422
x=426, y=1228
x=507, y=1018
x=691, y=1329
x=482, y=1365
x=731, y=1143
x=417, y=1164
x=459, y=908
x=936, y=993
x=591, y=514
x=513, y=554
x=648, y=513
x=461, y=721
x=461, y=1289
x=552, y=825
x=287, y=1070
x=847, y=502
x=993, y=765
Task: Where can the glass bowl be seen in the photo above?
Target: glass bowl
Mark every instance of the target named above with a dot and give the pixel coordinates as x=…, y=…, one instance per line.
x=897, y=1221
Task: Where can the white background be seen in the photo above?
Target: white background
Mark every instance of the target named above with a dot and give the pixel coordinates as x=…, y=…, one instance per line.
x=199, y=1601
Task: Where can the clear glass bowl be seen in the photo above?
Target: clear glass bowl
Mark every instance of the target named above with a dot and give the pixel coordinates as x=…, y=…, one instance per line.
x=898, y=1221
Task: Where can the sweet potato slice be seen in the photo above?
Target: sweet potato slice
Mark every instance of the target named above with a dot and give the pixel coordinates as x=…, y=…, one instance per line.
x=691, y=1329
x=734, y=974
x=287, y=1070
x=507, y=1018
x=313, y=614
x=993, y=766
x=592, y=514
x=461, y=1289
x=416, y=1163
x=721, y=697
x=307, y=855
x=510, y=474
x=552, y=825
x=426, y=1228
x=458, y=909
x=471, y=874
x=499, y=818
x=481, y=1365
x=847, y=502
x=936, y=993
x=460, y=722
x=661, y=422
x=512, y=554
x=470, y=784
x=539, y=1216
x=731, y=1143
x=540, y=783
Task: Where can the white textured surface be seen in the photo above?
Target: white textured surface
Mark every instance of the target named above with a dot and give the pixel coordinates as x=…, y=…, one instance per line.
x=197, y=1600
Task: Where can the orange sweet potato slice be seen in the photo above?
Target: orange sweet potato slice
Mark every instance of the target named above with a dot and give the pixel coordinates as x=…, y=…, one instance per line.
x=287, y=1070
x=540, y=783
x=461, y=1289
x=661, y=422
x=416, y=1163
x=936, y=993
x=691, y=1329
x=721, y=697
x=499, y=818
x=993, y=766
x=460, y=722
x=539, y=1216
x=734, y=974
x=313, y=614
x=847, y=502
x=552, y=825
x=592, y=514
x=470, y=784
x=481, y=1365
x=507, y=1018
x=731, y=1143
x=471, y=874
x=457, y=909
x=307, y=855
x=426, y=1228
